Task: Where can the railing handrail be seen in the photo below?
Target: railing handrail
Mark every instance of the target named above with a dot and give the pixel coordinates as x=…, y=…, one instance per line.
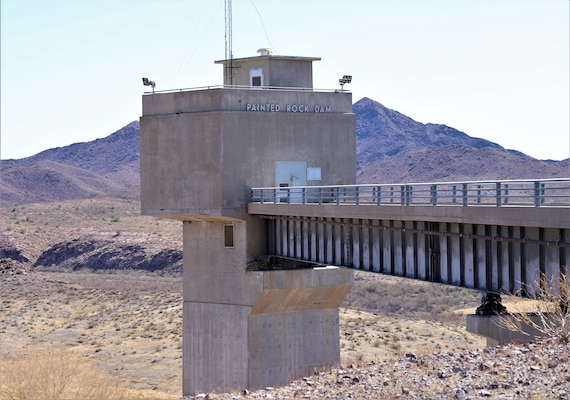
x=420, y=183
x=243, y=87
x=526, y=192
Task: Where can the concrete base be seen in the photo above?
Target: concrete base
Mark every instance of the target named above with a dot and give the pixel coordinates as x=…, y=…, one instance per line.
x=497, y=333
x=290, y=331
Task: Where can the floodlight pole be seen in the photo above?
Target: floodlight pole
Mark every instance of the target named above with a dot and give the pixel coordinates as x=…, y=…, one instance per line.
x=343, y=80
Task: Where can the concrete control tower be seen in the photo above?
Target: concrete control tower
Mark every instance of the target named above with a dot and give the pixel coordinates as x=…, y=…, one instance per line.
x=201, y=152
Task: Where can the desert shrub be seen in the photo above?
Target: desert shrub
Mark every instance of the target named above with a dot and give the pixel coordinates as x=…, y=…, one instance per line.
x=551, y=315
x=54, y=375
x=370, y=287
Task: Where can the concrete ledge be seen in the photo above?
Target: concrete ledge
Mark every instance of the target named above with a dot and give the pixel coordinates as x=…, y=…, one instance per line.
x=544, y=217
x=304, y=289
x=309, y=277
x=496, y=333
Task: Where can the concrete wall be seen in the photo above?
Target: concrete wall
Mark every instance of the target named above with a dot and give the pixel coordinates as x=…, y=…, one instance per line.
x=257, y=328
x=215, y=347
x=293, y=327
x=278, y=71
x=181, y=166
x=201, y=151
x=294, y=345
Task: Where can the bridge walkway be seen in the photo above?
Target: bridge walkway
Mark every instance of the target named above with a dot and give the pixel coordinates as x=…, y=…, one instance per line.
x=497, y=236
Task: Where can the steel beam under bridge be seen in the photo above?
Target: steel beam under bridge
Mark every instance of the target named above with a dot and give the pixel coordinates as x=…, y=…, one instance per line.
x=484, y=247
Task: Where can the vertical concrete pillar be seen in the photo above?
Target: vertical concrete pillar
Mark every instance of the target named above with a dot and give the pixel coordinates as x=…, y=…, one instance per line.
x=376, y=245
x=420, y=250
x=298, y=239
x=217, y=299
x=398, y=251
x=321, y=240
x=366, y=248
x=408, y=249
x=387, y=248
x=479, y=259
x=532, y=260
x=552, y=260
x=505, y=262
x=469, y=267
x=455, y=255
x=338, y=241
x=444, y=272
x=356, y=243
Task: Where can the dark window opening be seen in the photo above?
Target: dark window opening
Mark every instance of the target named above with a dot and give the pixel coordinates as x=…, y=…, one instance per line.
x=228, y=236
x=256, y=81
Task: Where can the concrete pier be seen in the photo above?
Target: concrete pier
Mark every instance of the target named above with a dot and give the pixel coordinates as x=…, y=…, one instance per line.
x=201, y=152
x=496, y=330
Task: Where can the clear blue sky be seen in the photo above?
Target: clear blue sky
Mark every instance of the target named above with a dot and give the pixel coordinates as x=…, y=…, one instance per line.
x=496, y=69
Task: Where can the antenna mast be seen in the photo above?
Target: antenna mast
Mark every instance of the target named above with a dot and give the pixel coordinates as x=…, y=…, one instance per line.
x=229, y=55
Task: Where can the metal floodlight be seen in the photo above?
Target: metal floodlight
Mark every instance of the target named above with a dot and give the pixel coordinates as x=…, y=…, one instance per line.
x=148, y=82
x=343, y=80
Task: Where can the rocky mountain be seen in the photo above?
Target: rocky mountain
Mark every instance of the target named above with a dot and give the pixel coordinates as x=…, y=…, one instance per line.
x=81, y=170
x=383, y=133
x=391, y=148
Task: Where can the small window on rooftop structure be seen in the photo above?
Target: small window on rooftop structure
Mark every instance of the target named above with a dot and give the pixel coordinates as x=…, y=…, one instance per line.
x=228, y=235
x=256, y=77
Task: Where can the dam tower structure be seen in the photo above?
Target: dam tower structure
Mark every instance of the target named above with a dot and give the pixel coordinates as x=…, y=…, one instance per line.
x=201, y=151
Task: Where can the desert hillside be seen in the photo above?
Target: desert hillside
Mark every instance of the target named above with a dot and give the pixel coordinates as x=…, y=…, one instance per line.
x=86, y=279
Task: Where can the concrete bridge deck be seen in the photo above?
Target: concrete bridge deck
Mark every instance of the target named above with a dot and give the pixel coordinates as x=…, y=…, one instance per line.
x=499, y=236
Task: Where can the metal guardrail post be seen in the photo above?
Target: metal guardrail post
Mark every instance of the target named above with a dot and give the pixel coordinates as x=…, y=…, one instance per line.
x=337, y=190
x=378, y=195
x=506, y=194
x=454, y=194
x=537, y=194
x=478, y=194
x=498, y=194
x=464, y=195
x=357, y=193
x=542, y=194
x=433, y=195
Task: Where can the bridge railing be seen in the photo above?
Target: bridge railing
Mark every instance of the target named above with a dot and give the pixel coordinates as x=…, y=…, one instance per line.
x=497, y=193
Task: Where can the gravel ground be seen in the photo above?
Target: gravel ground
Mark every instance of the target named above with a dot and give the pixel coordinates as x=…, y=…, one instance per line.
x=524, y=371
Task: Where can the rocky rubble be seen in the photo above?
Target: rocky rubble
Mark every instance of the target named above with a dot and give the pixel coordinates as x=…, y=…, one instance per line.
x=9, y=266
x=99, y=254
x=525, y=371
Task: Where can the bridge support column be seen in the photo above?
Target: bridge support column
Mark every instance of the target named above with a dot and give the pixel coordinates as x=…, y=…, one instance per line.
x=253, y=329
x=495, y=330
x=492, y=321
